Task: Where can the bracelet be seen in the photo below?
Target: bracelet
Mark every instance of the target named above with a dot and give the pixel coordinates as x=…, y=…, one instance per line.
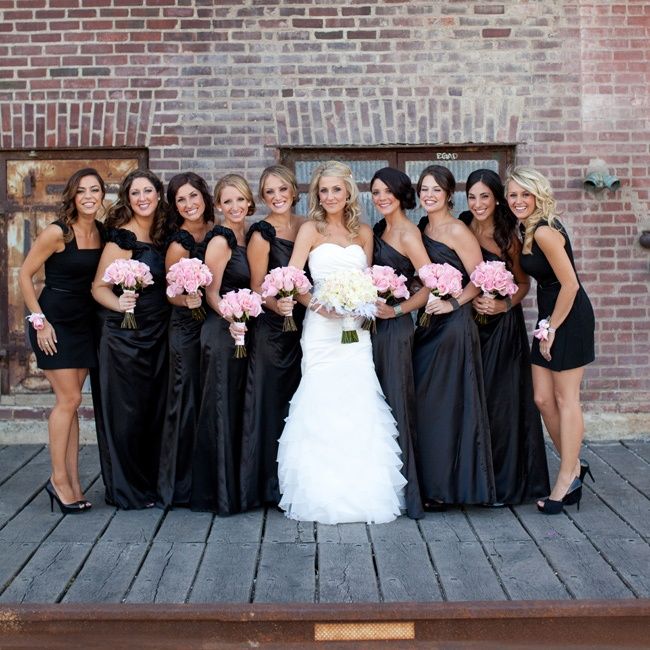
x=37, y=320
x=398, y=310
x=508, y=301
x=551, y=330
x=454, y=303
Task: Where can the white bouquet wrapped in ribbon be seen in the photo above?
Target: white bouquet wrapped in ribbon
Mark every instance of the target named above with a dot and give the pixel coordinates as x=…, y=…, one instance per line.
x=352, y=294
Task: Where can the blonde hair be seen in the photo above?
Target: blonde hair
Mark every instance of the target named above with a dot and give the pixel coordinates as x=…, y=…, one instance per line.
x=285, y=174
x=545, y=208
x=240, y=184
x=352, y=210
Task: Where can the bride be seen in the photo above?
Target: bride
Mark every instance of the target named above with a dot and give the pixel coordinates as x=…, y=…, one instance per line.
x=338, y=459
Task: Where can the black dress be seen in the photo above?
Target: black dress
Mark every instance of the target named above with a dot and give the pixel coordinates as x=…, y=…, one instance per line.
x=273, y=376
x=183, y=396
x=133, y=370
x=68, y=305
x=215, y=463
x=573, y=346
x=392, y=351
x=453, y=449
x=518, y=454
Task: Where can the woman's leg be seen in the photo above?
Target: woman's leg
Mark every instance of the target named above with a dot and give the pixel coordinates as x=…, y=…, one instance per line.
x=544, y=394
x=72, y=455
x=67, y=390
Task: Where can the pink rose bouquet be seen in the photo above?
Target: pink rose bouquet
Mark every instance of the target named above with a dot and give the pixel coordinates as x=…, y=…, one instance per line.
x=130, y=276
x=442, y=280
x=187, y=276
x=388, y=284
x=285, y=281
x=240, y=305
x=493, y=278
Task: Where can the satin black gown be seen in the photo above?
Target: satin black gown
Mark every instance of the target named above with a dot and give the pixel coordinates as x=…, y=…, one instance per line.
x=216, y=457
x=68, y=305
x=573, y=346
x=453, y=449
x=274, y=360
x=392, y=351
x=518, y=454
x=183, y=396
x=133, y=370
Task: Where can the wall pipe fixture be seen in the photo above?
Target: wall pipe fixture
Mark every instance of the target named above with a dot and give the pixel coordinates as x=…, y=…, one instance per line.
x=599, y=178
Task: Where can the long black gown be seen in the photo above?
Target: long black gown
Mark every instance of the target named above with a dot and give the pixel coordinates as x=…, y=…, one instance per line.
x=183, y=396
x=133, y=370
x=273, y=376
x=518, y=455
x=68, y=305
x=215, y=461
x=573, y=345
x=392, y=351
x=453, y=449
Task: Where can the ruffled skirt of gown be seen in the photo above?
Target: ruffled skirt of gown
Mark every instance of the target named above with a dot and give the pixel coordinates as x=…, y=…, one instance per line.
x=339, y=460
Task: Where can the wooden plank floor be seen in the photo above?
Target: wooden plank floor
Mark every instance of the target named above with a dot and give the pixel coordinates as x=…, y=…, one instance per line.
x=149, y=556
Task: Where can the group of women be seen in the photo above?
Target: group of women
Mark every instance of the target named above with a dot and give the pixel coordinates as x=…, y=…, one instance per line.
x=408, y=419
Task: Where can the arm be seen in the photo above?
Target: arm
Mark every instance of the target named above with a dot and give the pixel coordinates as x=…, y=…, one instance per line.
x=257, y=252
x=367, y=242
x=50, y=241
x=217, y=256
x=103, y=291
x=305, y=241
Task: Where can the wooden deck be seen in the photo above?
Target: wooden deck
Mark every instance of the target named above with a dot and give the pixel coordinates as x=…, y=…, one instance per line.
x=471, y=554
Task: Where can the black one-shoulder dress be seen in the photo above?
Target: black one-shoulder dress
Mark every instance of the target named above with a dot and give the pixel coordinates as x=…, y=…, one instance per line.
x=573, y=345
x=392, y=351
x=215, y=461
x=274, y=360
x=183, y=395
x=133, y=370
x=453, y=449
x=68, y=305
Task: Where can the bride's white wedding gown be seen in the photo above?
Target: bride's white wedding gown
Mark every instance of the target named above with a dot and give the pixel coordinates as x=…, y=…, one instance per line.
x=338, y=459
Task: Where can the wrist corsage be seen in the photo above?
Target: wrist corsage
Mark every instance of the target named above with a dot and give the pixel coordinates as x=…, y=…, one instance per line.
x=37, y=320
x=543, y=329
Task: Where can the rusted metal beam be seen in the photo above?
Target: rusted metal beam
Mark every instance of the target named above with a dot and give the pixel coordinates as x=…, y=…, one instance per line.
x=521, y=624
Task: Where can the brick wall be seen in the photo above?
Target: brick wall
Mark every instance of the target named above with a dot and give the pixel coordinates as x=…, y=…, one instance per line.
x=217, y=86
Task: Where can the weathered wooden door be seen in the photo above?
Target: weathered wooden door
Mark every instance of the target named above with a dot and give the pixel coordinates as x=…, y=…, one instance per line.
x=31, y=183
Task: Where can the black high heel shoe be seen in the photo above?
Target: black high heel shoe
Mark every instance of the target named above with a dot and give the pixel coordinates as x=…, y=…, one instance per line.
x=66, y=508
x=573, y=495
x=584, y=470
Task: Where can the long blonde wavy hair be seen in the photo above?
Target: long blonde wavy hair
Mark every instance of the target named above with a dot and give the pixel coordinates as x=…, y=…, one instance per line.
x=352, y=210
x=545, y=207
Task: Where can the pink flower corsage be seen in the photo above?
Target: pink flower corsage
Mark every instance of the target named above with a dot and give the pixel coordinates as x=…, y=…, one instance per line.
x=37, y=321
x=543, y=329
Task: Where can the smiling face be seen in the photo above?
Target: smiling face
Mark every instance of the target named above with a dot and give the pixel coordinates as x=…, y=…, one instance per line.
x=233, y=205
x=277, y=195
x=521, y=201
x=481, y=202
x=189, y=203
x=332, y=194
x=143, y=197
x=384, y=199
x=89, y=196
x=432, y=197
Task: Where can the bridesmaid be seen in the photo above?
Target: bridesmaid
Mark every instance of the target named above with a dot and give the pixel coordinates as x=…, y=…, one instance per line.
x=192, y=214
x=453, y=435
x=64, y=344
x=274, y=355
x=133, y=363
x=398, y=244
x=568, y=344
x=215, y=463
x=518, y=456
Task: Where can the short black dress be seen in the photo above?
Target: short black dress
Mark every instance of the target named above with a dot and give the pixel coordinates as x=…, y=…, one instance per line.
x=573, y=346
x=133, y=371
x=392, y=351
x=274, y=360
x=183, y=396
x=68, y=305
x=216, y=457
x=453, y=448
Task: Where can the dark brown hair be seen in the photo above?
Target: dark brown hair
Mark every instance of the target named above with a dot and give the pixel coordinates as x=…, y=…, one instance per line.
x=68, y=210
